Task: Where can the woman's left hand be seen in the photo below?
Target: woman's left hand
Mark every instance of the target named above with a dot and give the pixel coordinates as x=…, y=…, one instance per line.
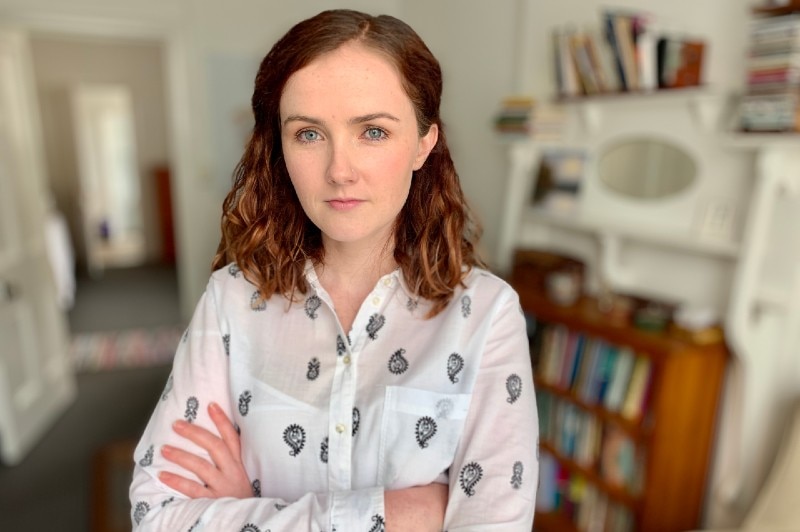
x=224, y=475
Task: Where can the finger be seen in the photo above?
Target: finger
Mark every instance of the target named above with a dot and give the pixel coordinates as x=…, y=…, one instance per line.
x=212, y=444
x=203, y=469
x=190, y=488
x=226, y=430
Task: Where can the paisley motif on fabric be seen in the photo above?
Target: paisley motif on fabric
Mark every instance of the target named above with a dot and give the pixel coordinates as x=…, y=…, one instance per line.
x=192, y=404
x=244, y=402
x=379, y=524
x=313, y=369
x=466, y=306
x=234, y=270
x=257, y=303
x=398, y=363
x=140, y=510
x=455, y=363
x=295, y=438
x=376, y=321
x=426, y=429
x=312, y=304
x=323, y=451
x=516, y=475
x=147, y=460
x=412, y=304
x=226, y=343
x=513, y=387
x=356, y=420
x=470, y=475
x=443, y=408
x=256, y=488
x=340, y=347
x=250, y=527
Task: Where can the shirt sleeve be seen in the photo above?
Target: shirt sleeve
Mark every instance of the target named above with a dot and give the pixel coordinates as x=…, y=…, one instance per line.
x=494, y=476
x=200, y=376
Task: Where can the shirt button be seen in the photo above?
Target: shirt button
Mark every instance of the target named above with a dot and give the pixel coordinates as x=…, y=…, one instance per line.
x=387, y=282
x=376, y=301
x=340, y=428
x=346, y=359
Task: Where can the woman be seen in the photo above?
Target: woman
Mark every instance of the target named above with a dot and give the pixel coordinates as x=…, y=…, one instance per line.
x=350, y=366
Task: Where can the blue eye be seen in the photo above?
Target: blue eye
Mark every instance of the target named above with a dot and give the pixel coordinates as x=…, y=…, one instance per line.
x=375, y=133
x=308, y=135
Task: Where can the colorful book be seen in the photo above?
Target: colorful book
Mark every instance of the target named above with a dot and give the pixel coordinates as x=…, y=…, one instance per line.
x=638, y=389
x=619, y=380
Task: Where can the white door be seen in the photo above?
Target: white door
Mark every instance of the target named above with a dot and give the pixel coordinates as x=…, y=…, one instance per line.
x=36, y=379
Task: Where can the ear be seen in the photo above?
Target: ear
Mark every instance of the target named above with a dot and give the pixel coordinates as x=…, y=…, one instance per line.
x=426, y=144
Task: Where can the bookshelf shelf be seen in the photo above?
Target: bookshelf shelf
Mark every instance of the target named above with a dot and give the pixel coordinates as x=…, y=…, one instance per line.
x=637, y=432
x=666, y=443
x=619, y=495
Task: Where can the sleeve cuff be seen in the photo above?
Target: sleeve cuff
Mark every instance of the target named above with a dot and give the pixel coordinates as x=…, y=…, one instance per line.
x=358, y=510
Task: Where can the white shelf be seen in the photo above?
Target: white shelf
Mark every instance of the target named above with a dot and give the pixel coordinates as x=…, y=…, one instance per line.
x=757, y=141
x=653, y=236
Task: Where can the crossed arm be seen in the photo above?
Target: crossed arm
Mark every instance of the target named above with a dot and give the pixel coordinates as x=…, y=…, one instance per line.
x=419, y=508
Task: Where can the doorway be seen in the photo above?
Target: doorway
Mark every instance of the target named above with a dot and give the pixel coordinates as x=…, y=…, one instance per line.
x=105, y=123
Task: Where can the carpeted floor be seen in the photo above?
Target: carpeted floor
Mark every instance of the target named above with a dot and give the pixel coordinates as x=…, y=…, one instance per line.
x=52, y=488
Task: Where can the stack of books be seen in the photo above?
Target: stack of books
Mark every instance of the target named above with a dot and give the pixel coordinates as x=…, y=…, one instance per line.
x=522, y=117
x=627, y=53
x=772, y=100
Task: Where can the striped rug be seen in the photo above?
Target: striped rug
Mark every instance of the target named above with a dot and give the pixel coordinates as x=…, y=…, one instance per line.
x=133, y=348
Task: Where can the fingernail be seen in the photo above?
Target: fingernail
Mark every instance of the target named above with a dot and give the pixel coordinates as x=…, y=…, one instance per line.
x=179, y=425
x=165, y=450
x=214, y=406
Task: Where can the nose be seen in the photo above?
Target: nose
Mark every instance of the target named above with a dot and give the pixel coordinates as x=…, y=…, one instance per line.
x=340, y=165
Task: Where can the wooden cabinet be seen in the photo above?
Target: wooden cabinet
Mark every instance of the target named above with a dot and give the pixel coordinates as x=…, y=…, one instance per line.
x=672, y=436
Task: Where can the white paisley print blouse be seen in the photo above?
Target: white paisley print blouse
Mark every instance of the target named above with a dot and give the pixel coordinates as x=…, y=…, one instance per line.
x=329, y=419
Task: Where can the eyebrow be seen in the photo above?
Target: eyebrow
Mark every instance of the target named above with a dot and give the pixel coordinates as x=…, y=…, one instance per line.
x=355, y=120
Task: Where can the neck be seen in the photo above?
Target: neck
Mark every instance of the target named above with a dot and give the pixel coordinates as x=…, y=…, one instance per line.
x=346, y=265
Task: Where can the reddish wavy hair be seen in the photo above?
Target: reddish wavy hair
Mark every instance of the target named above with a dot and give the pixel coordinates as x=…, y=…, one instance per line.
x=264, y=228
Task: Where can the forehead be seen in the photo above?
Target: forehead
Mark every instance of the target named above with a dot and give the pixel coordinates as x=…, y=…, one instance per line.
x=351, y=78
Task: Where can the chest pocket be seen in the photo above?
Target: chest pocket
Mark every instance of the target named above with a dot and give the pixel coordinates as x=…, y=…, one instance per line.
x=420, y=431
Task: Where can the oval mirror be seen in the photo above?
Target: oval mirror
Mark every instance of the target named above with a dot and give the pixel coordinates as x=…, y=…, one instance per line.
x=646, y=168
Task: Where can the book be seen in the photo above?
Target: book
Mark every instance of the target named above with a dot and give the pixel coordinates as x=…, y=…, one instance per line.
x=546, y=495
x=619, y=380
x=624, y=35
x=615, y=47
x=605, y=373
x=618, y=457
x=638, y=389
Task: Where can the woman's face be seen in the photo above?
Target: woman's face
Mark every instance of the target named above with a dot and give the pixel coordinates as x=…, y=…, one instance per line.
x=350, y=142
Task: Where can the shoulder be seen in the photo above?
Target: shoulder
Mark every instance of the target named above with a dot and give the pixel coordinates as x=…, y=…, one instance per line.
x=485, y=294
x=228, y=283
x=487, y=285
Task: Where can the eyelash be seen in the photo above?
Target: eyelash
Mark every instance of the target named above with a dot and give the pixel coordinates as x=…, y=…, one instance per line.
x=384, y=135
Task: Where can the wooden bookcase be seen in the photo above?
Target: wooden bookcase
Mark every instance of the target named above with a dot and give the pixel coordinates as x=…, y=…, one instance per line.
x=675, y=431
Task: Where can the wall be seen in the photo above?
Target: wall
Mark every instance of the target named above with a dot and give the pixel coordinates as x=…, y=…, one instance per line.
x=64, y=62
x=475, y=44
